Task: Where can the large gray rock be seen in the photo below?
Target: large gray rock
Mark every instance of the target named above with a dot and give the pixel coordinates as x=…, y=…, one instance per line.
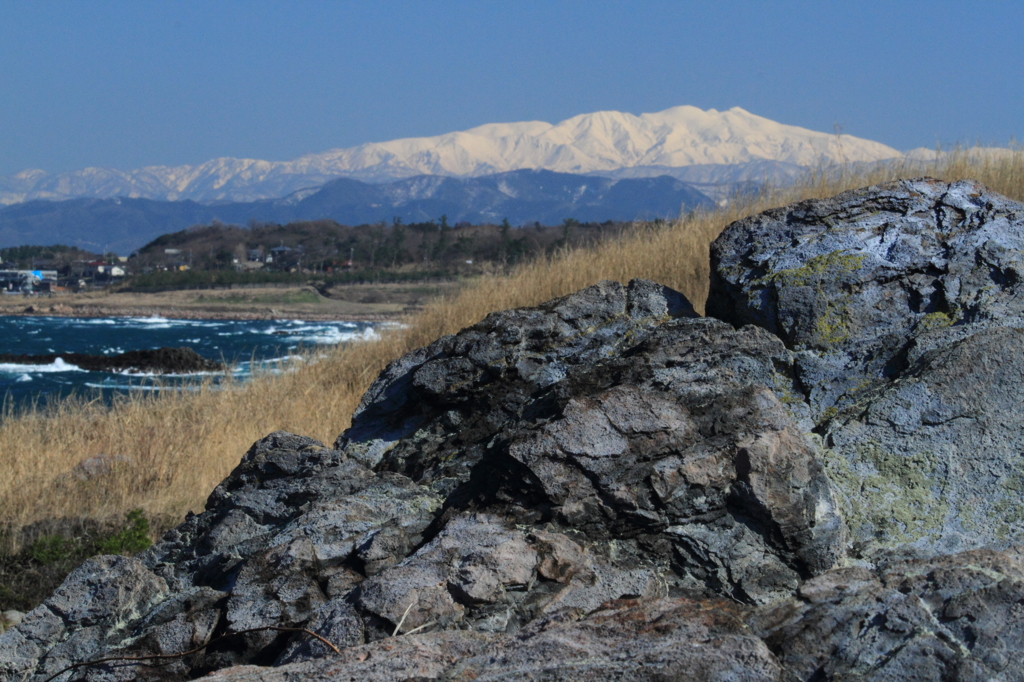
x=88, y=612
x=848, y=282
x=600, y=414
x=433, y=398
x=607, y=445
x=949, y=618
x=276, y=546
x=902, y=305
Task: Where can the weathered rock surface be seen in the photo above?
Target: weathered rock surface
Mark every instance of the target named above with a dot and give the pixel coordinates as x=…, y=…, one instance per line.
x=956, y=617
x=647, y=639
x=607, y=486
x=903, y=307
x=86, y=614
x=598, y=414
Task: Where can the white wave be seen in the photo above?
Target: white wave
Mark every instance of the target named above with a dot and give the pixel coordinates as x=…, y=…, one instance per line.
x=141, y=387
x=155, y=322
x=326, y=334
x=306, y=324
x=24, y=377
x=159, y=325
x=57, y=365
x=127, y=373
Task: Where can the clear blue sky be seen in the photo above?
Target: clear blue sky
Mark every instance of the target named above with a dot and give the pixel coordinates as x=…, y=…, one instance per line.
x=128, y=84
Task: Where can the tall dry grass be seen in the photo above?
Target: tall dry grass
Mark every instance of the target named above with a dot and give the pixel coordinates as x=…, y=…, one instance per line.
x=179, y=445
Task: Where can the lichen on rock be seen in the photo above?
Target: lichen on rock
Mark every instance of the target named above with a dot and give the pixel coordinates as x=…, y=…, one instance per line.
x=916, y=285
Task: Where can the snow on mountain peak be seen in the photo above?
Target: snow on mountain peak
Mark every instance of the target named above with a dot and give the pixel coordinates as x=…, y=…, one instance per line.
x=597, y=142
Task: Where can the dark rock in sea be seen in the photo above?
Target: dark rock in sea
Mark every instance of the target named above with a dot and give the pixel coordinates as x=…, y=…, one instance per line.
x=903, y=305
x=156, y=361
x=607, y=486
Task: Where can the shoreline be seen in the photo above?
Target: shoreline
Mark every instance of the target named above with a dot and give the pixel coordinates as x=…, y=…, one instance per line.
x=349, y=303
x=172, y=313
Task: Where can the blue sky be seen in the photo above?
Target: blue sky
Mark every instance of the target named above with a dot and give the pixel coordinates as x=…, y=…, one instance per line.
x=129, y=84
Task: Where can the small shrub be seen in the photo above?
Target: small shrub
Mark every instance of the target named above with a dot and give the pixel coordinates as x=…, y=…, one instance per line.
x=51, y=549
x=134, y=537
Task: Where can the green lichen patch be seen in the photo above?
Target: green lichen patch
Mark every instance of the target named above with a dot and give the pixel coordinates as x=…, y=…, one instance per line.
x=831, y=327
x=937, y=320
x=833, y=264
x=887, y=499
x=1007, y=509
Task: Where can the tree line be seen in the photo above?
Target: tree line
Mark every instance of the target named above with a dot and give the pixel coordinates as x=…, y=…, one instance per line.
x=327, y=246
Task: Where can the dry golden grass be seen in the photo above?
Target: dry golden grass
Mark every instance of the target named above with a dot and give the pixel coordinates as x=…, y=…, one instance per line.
x=179, y=445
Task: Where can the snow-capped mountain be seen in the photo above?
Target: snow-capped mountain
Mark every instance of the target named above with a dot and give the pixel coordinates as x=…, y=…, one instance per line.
x=605, y=142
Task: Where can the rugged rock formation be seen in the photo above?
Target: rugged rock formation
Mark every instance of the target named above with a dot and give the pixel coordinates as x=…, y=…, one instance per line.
x=953, y=617
x=903, y=307
x=157, y=361
x=608, y=486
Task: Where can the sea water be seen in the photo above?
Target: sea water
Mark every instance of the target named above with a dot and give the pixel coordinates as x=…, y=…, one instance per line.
x=245, y=346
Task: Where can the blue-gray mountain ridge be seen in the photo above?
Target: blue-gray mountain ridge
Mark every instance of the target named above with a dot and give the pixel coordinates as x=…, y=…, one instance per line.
x=523, y=197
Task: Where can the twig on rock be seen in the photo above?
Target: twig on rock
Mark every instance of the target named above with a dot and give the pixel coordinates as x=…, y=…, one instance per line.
x=399, y=626
x=417, y=629
x=155, y=657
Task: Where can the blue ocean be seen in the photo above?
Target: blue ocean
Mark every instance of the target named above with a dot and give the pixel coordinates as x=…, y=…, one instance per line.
x=243, y=345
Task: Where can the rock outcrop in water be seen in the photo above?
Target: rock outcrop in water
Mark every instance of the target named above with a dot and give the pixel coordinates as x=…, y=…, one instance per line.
x=608, y=486
x=156, y=361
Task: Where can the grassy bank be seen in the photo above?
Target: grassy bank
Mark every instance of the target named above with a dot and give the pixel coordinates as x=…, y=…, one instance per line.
x=212, y=279
x=177, y=446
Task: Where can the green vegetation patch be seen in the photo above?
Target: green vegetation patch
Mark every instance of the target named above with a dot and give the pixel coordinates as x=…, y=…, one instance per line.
x=132, y=538
x=33, y=573
x=51, y=549
x=212, y=279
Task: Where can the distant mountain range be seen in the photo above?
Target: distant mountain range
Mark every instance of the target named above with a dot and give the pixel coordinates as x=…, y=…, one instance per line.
x=525, y=196
x=685, y=142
